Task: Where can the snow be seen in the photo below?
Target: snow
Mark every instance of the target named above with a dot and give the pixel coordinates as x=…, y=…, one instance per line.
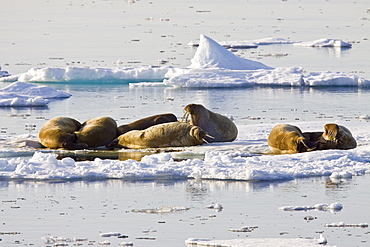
x=324, y=43
x=252, y=242
x=20, y=94
x=242, y=159
x=211, y=66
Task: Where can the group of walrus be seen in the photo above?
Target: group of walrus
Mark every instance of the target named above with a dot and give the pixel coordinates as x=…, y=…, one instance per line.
x=156, y=131
x=164, y=130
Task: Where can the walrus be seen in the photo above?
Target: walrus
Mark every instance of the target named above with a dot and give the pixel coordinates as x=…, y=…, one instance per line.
x=174, y=134
x=334, y=137
x=147, y=122
x=289, y=139
x=97, y=131
x=58, y=132
x=218, y=127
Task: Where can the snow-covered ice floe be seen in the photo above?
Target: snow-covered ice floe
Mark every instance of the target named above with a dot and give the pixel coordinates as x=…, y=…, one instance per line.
x=49, y=74
x=20, y=94
x=254, y=242
x=211, y=66
x=218, y=165
x=324, y=43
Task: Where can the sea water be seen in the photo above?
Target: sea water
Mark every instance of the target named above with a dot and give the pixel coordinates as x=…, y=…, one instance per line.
x=139, y=33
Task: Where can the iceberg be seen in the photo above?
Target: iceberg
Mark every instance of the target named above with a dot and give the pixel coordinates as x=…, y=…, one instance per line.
x=210, y=54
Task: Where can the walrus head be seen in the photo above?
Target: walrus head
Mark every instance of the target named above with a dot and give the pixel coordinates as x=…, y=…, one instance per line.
x=198, y=134
x=72, y=144
x=196, y=112
x=331, y=132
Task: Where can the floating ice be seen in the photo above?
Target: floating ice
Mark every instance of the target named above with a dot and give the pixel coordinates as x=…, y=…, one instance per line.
x=248, y=43
x=342, y=224
x=237, y=78
x=216, y=206
x=321, y=207
x=32, y=90
x=244, y=229
x=324, y=43
x=22, y=94
x=4, y=73
x=255, y=242
x=110, y=234
x=126, y=244
x=211, y=66
x=162, y=210
x=94, y=74
x=13, y=100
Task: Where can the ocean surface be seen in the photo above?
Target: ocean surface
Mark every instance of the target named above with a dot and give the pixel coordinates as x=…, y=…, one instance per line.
x=45, y=208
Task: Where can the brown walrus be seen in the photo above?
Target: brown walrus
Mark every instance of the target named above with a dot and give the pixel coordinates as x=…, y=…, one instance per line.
x=97, y=131
x=147, y=122
x=218, y=127
x=174, y=134
x=289, y=139
x=58, y=132
x=334, y=137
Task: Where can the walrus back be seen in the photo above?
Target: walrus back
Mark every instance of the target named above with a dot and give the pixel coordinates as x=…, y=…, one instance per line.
x=174, y=134
x=147, y=122
x=285, y=139
x=97, y=131
x=58, y=131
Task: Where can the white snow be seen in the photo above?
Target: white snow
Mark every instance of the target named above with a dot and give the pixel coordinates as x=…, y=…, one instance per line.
x=238, y=160
x=324, y=43
x=19, y=94
x=253, y=242
x=211, y=66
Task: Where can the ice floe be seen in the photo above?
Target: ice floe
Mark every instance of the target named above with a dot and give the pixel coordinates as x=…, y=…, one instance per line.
x=20, y=94
x=320, y=207
x=4, y=73
x=211, y=66
x=342, y=224
x=324, y=43
x=92, y=74
x=162, y=210
x=253, y=242
x=243, y=44
x=230, y=161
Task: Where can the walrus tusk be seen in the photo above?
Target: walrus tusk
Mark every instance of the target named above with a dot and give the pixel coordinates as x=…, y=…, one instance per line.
x=210, y=136
x=308, y=147
x=185, y=117
x=204, y=140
